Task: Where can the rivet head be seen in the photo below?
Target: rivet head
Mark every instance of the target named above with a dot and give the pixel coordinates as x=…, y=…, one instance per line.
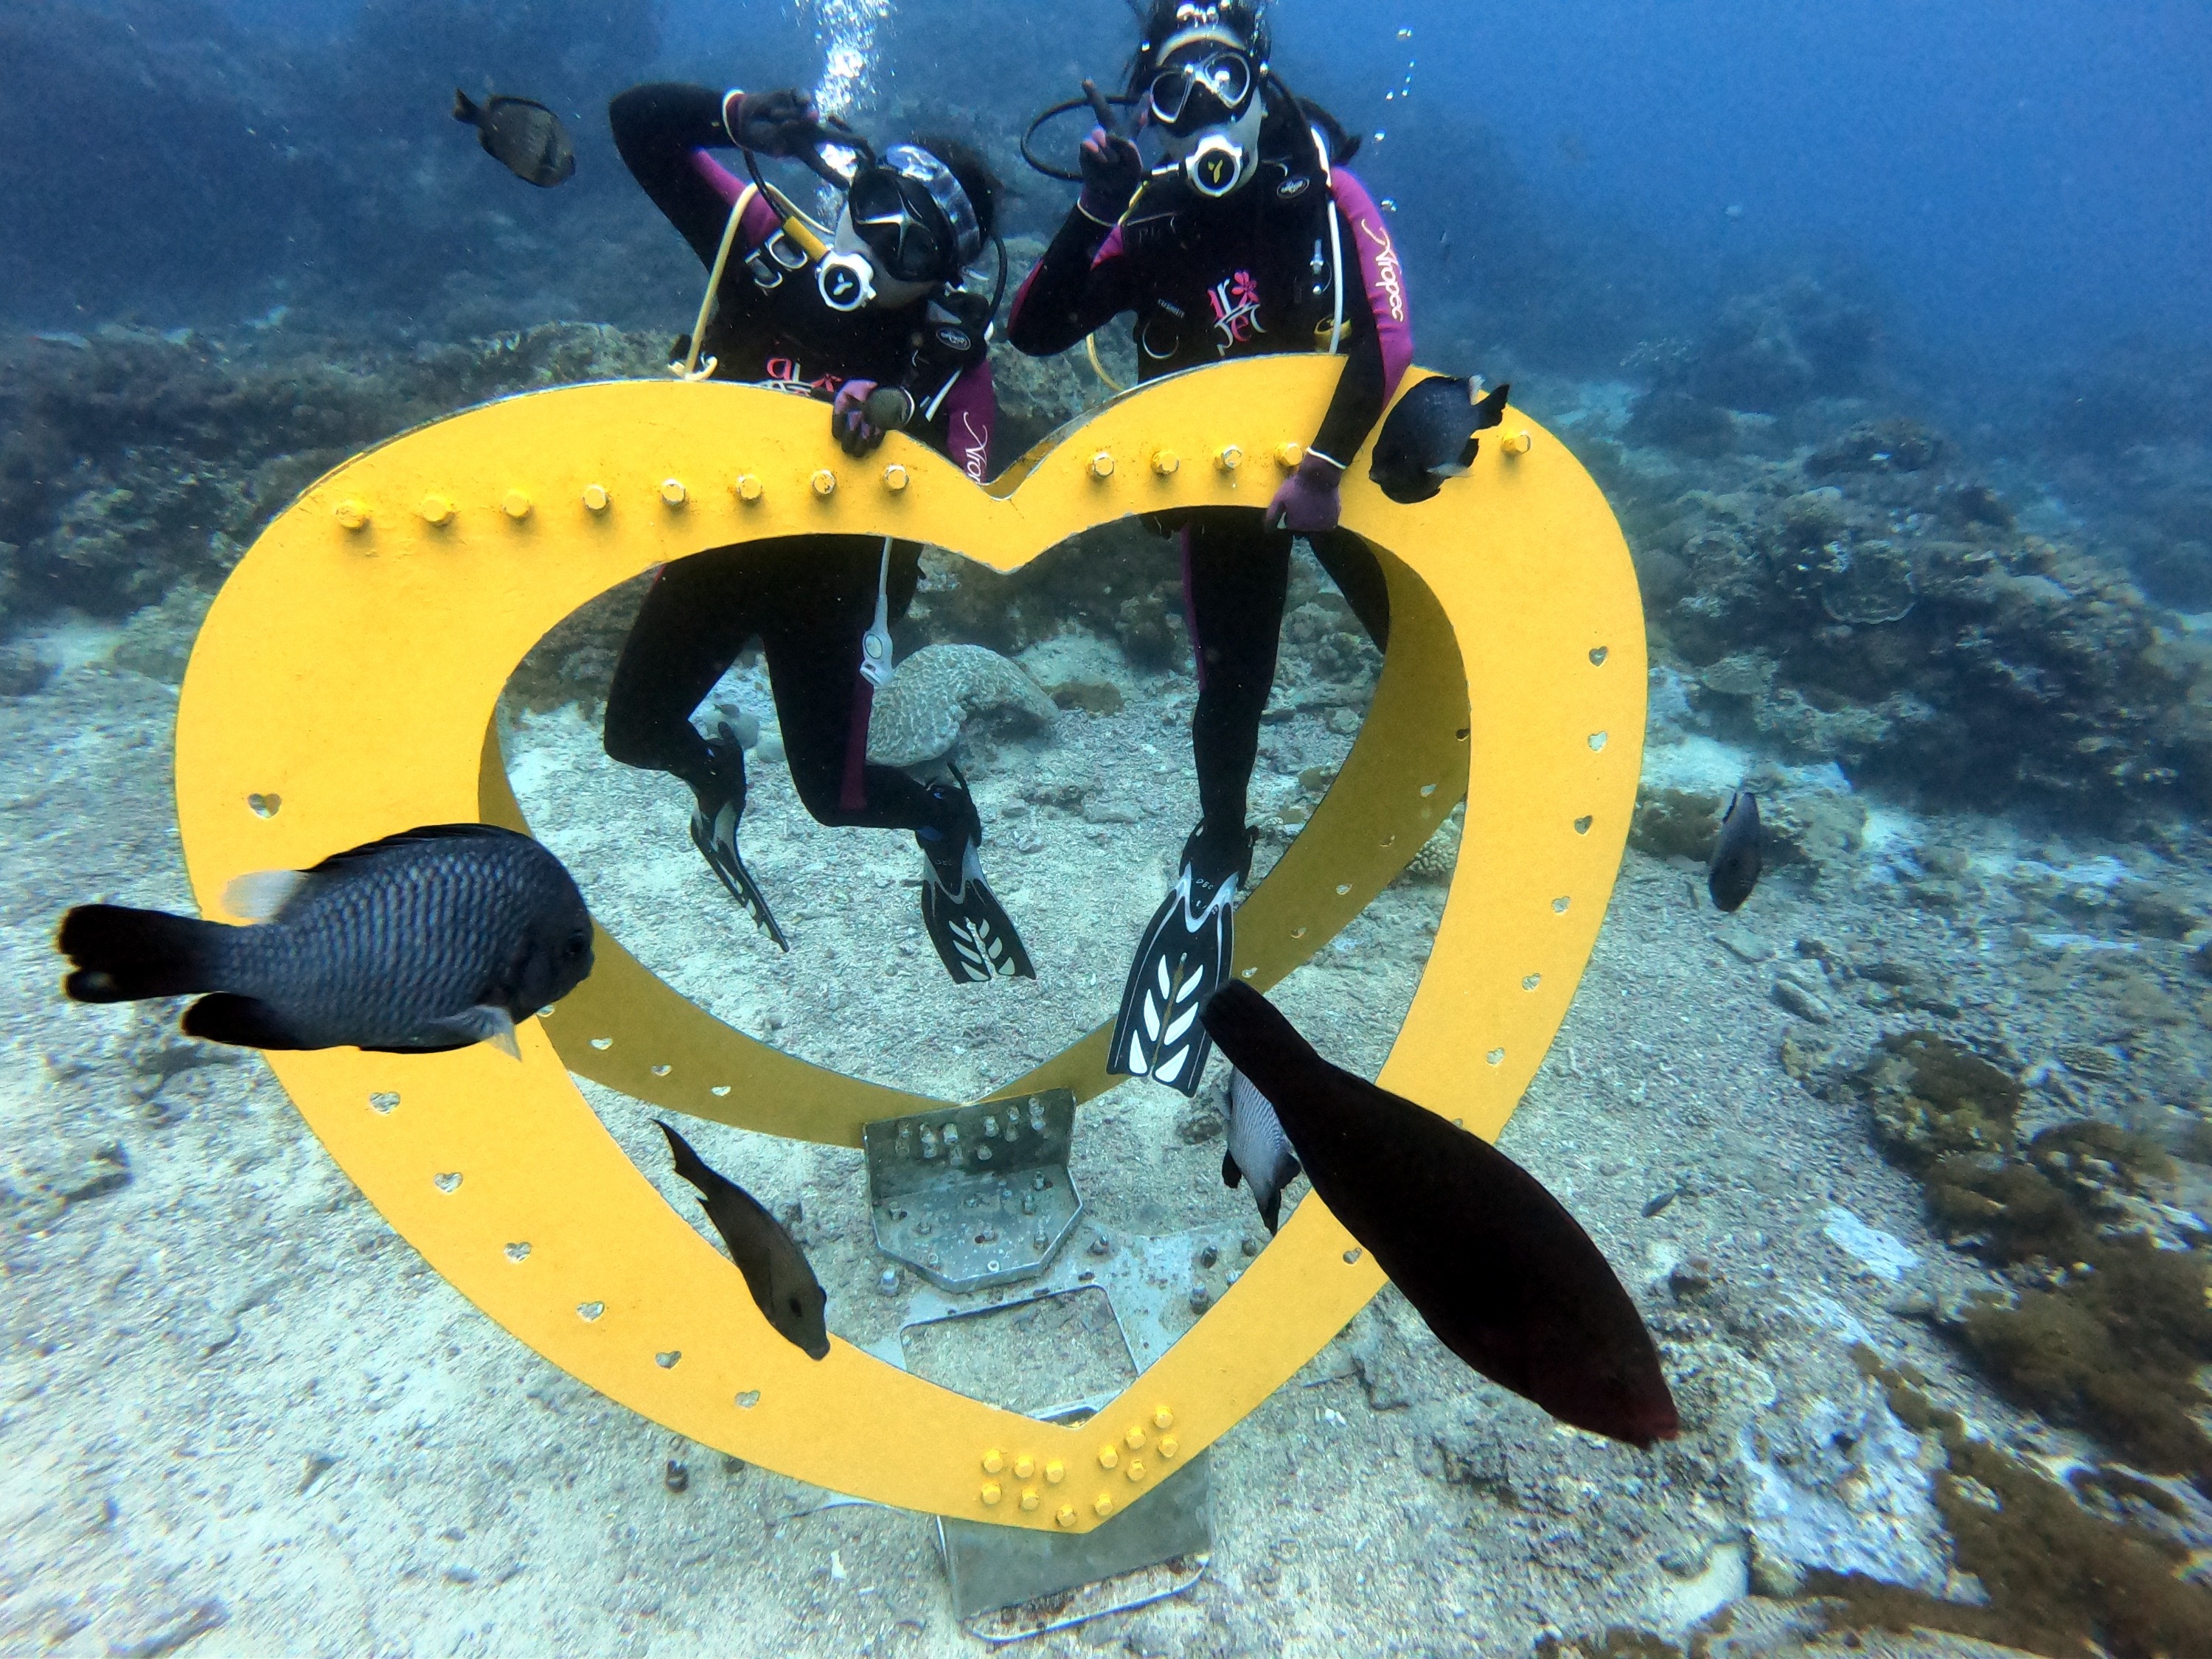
x=1164, y=462
x=1230, y=457
x=1102, y=464
x=351, y=514
x=595, y=498
x=894, y=477
x=515, y=504
x=748, y=487
x=1024, y=1466
x=1067, y=1516
x=436, y=509
x=993, y=1460
x=1102, y=1505
x=673, y=492
x=1030, y=1497
x=1108, y=1457
x=1135, y=1438
x=1136, y=1469
x=992, y=1494
x=824, y=482
x=1170, y=1445
x=1287, y=456
x=1162, y=1418
x=1055, y=1471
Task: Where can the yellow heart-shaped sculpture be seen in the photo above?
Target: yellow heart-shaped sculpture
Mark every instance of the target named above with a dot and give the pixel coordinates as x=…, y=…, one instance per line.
x=348, y=672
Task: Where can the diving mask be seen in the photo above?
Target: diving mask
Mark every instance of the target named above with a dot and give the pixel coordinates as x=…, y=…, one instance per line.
x=907, y=223
x=1219, y=83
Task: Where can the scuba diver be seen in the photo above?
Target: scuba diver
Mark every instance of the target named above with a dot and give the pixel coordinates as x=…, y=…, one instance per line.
x=876, y=320
x=1248, y=237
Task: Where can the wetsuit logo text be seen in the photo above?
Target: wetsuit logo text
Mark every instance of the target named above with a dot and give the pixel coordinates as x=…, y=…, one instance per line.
x=1387, y=272
x=1235, y=310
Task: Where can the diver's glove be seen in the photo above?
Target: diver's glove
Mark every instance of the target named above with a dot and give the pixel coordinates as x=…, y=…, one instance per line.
x=776, y=124
x=1308, y=503
x=1112, y=170
x=864, y=411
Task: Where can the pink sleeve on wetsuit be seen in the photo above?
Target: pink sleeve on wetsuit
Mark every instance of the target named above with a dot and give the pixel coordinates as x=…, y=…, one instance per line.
x=760, y=221
x=970, y=408
x=1385, y=277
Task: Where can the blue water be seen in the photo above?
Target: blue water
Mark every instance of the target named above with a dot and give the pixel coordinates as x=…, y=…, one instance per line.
x=2017, y=187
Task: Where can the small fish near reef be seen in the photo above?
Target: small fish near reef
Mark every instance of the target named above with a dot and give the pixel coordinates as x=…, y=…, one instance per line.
x=1734, y=868
x=1502, y=1273
x=432, y=939
x=522, y=135
x=784, y=1286
x=1430, y=436
x=1259, y=1151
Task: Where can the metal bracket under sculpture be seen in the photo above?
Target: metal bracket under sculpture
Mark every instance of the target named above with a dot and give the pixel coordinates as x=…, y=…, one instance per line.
x=346, y=680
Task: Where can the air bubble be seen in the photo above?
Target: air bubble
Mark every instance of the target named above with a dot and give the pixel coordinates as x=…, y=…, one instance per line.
x=719, y=1090
x=517, y=1253
x=667, y=1361
x=1530, y=981
x=1596, y=741
x=1342, y=888
x=1598, y=654
x=602, y=1042
x=265, y=807
x=1351, y=1256
x=1560, y=904
x=1583, y=824
x=1496, y=1056
x=749, y=1399
x=1428, y=789
x=1297, y=932
x=383, y=1100
x=448, y=1182
x=662, y=1071
x=587, y=1311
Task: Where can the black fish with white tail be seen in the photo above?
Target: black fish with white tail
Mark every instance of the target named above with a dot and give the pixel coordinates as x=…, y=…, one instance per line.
x=784, y=1286
x=1430, y=436
x=1493, y=1262
x=1733, y=871
x=522, y=135
x=1259, y=1151
x=434, y=938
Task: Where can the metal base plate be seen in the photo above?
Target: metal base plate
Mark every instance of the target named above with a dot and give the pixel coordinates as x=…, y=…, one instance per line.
x=1008, y=1584
x=974, y=1196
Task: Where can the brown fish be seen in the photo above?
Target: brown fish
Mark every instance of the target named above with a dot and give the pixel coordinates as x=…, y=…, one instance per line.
x=522, y=135
x=785, y=1288
x=1493, y=1262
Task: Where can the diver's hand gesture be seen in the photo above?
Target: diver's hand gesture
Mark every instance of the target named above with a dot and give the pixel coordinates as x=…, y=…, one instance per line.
x=1112, y=170
x=775, y=124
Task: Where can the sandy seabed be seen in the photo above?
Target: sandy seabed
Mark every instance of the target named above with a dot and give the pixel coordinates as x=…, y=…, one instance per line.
x=240, y=1415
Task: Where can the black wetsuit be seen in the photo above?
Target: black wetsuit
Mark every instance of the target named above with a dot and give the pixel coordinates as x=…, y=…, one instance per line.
x=1250, y=273
x=807, y=598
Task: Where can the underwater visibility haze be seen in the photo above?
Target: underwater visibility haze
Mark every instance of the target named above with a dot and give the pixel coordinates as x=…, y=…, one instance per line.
x=1843, y=1281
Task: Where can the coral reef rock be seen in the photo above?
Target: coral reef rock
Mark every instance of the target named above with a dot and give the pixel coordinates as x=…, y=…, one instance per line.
x=933, y=695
